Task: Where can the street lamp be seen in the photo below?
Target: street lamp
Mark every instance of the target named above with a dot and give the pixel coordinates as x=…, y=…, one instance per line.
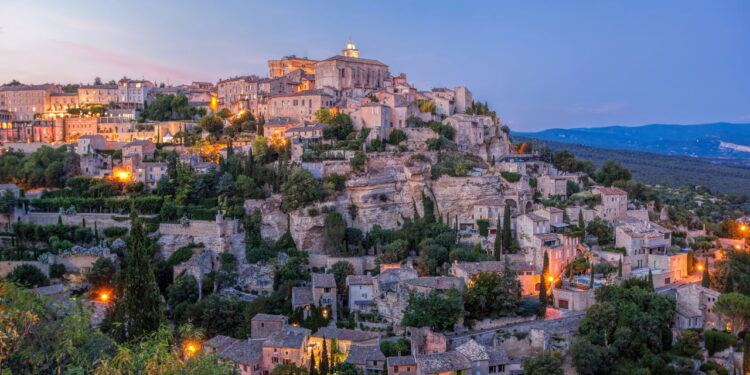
x=190, y=348
x=700, y=267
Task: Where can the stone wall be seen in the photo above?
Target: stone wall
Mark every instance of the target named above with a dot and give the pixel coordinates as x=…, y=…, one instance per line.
x=215, y=235
x=102, y=220
x=360, y=264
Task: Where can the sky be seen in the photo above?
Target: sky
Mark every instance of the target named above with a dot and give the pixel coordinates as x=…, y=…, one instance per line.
x=539, y=64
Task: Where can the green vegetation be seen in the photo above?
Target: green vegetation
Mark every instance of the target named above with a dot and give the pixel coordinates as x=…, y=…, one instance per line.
x=627, y=328
x=170, y=107
x=716, y=341
x=396, y=348
x=510, y=176
x=657, y=169
x=455, y=164
x=433, y=310
x=544, y=363
x=493, y=295
x=28, y=275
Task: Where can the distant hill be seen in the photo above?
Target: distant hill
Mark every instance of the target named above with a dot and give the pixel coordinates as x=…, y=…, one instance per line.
x=718, y=140
x=672, y=170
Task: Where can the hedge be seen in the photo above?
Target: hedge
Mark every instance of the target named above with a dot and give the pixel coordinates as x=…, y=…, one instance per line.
x=150, y=204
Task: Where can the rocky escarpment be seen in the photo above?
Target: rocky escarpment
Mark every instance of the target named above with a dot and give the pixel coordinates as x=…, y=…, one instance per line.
x=385, y=194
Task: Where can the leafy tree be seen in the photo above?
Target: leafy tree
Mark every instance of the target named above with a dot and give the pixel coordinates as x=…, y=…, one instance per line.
x=688, y=343
x=492, y=295
x=612, y=171
x=544, y=363
x=211, y=123
x=340, y=271
x=289, y=369
x=334, y=230
x=396, y=348
x=736, y=308
x=600, y=229
x=395, y=252
x=358, y=161
x=346, y=368
x=183, y=291
x=397, y=136
x=483, y=225
x=247, y=188
x=716, y=341
x=28, y=275
x=102, y=273
x=433, y=310
x=627, y=327
x=224, y=113
x=300, y=189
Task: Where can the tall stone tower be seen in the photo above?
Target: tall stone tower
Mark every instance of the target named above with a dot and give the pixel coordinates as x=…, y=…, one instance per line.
x=350, y=50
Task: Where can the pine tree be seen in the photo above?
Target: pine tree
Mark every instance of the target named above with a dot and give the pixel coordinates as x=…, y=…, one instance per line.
x=142, y=311
x=498, y=240
x=324, y=368
x=83, y=222
x=619, y=267
x=543, y=286
x=507, y=240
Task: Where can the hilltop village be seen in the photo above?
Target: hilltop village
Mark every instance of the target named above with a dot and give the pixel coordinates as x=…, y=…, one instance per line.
x=334, y=218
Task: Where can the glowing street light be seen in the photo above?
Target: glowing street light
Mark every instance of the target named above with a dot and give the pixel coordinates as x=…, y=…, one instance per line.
x=550, y=279
x=190, y=348
x=700, y=267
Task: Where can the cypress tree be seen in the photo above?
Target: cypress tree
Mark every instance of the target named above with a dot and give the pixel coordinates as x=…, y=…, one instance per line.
x=142, y=311
x=96, y=232
x=650, y=278
x=591, y=282
x=543, y=287
x=619, y=267
x=746, y=357
x=83, y=222
x=414, y=207
x=313, y=370
x=566, y=218
x=59, y=220
x=581, y=222
x=507, y=240
x=428, y=208
x=324, y=368
x=706, y=280
x=729, y=286
x=498, y=240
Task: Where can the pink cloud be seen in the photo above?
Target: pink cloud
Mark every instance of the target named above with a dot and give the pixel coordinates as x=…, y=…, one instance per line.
x=126, y=63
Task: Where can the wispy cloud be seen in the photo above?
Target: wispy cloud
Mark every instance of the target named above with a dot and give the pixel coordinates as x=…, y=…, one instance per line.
x=599, y=108
x=125, y=63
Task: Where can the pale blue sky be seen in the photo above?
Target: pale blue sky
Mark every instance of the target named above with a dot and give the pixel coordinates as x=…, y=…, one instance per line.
x=540, y=64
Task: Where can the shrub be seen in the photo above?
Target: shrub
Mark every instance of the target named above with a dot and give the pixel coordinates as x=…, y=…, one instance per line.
x=358, y=161
x=56, y=271
x=312, y=211
x=510, y=176
x=181, y=255
x=397, y=136
x=717, y=341
x=28, y=275
x=115, y=231
x=484, y=226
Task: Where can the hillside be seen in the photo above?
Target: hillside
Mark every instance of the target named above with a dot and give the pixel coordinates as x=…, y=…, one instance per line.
x=670, y=170
x=717, y=140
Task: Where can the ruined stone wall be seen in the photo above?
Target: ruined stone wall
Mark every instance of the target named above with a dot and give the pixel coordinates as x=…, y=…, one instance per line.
x=8, y=266
x=102, y=220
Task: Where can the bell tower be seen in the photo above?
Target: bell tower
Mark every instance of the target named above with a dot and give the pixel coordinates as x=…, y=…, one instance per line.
x=350, y=50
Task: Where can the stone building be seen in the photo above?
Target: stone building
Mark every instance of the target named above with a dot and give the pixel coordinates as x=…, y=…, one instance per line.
x=350, y=72
x=98, y=94
x=614, y=202
x=300, y=105
x=27, y=101
x=553, y=185
x=695, y=308
x=360, y=292
x=368, y=358
x=641, y=237
x=288, y=64
x=264, y=325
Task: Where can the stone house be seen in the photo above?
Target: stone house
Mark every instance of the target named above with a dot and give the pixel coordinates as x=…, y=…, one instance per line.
x=468, y=358
x=571, y=298
x=247, y=355
x=277, y=126
x=302, y=298
x=374, y=116
x=345, y=339
x=150, y=172
x=470, y=129
x=425, y=341
x=140, y=149
x=614, y=202
x=347, y=72
x=264, y=325
x=552, y=185
x=309, y=132
x=531, y=229
x=491, y=209
x=289, y=345
x=368, y=358
x=641, y=237
x=88, y=144
x=300, y=105
x=695, y=308
x=324, y=291
x=360, y=292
